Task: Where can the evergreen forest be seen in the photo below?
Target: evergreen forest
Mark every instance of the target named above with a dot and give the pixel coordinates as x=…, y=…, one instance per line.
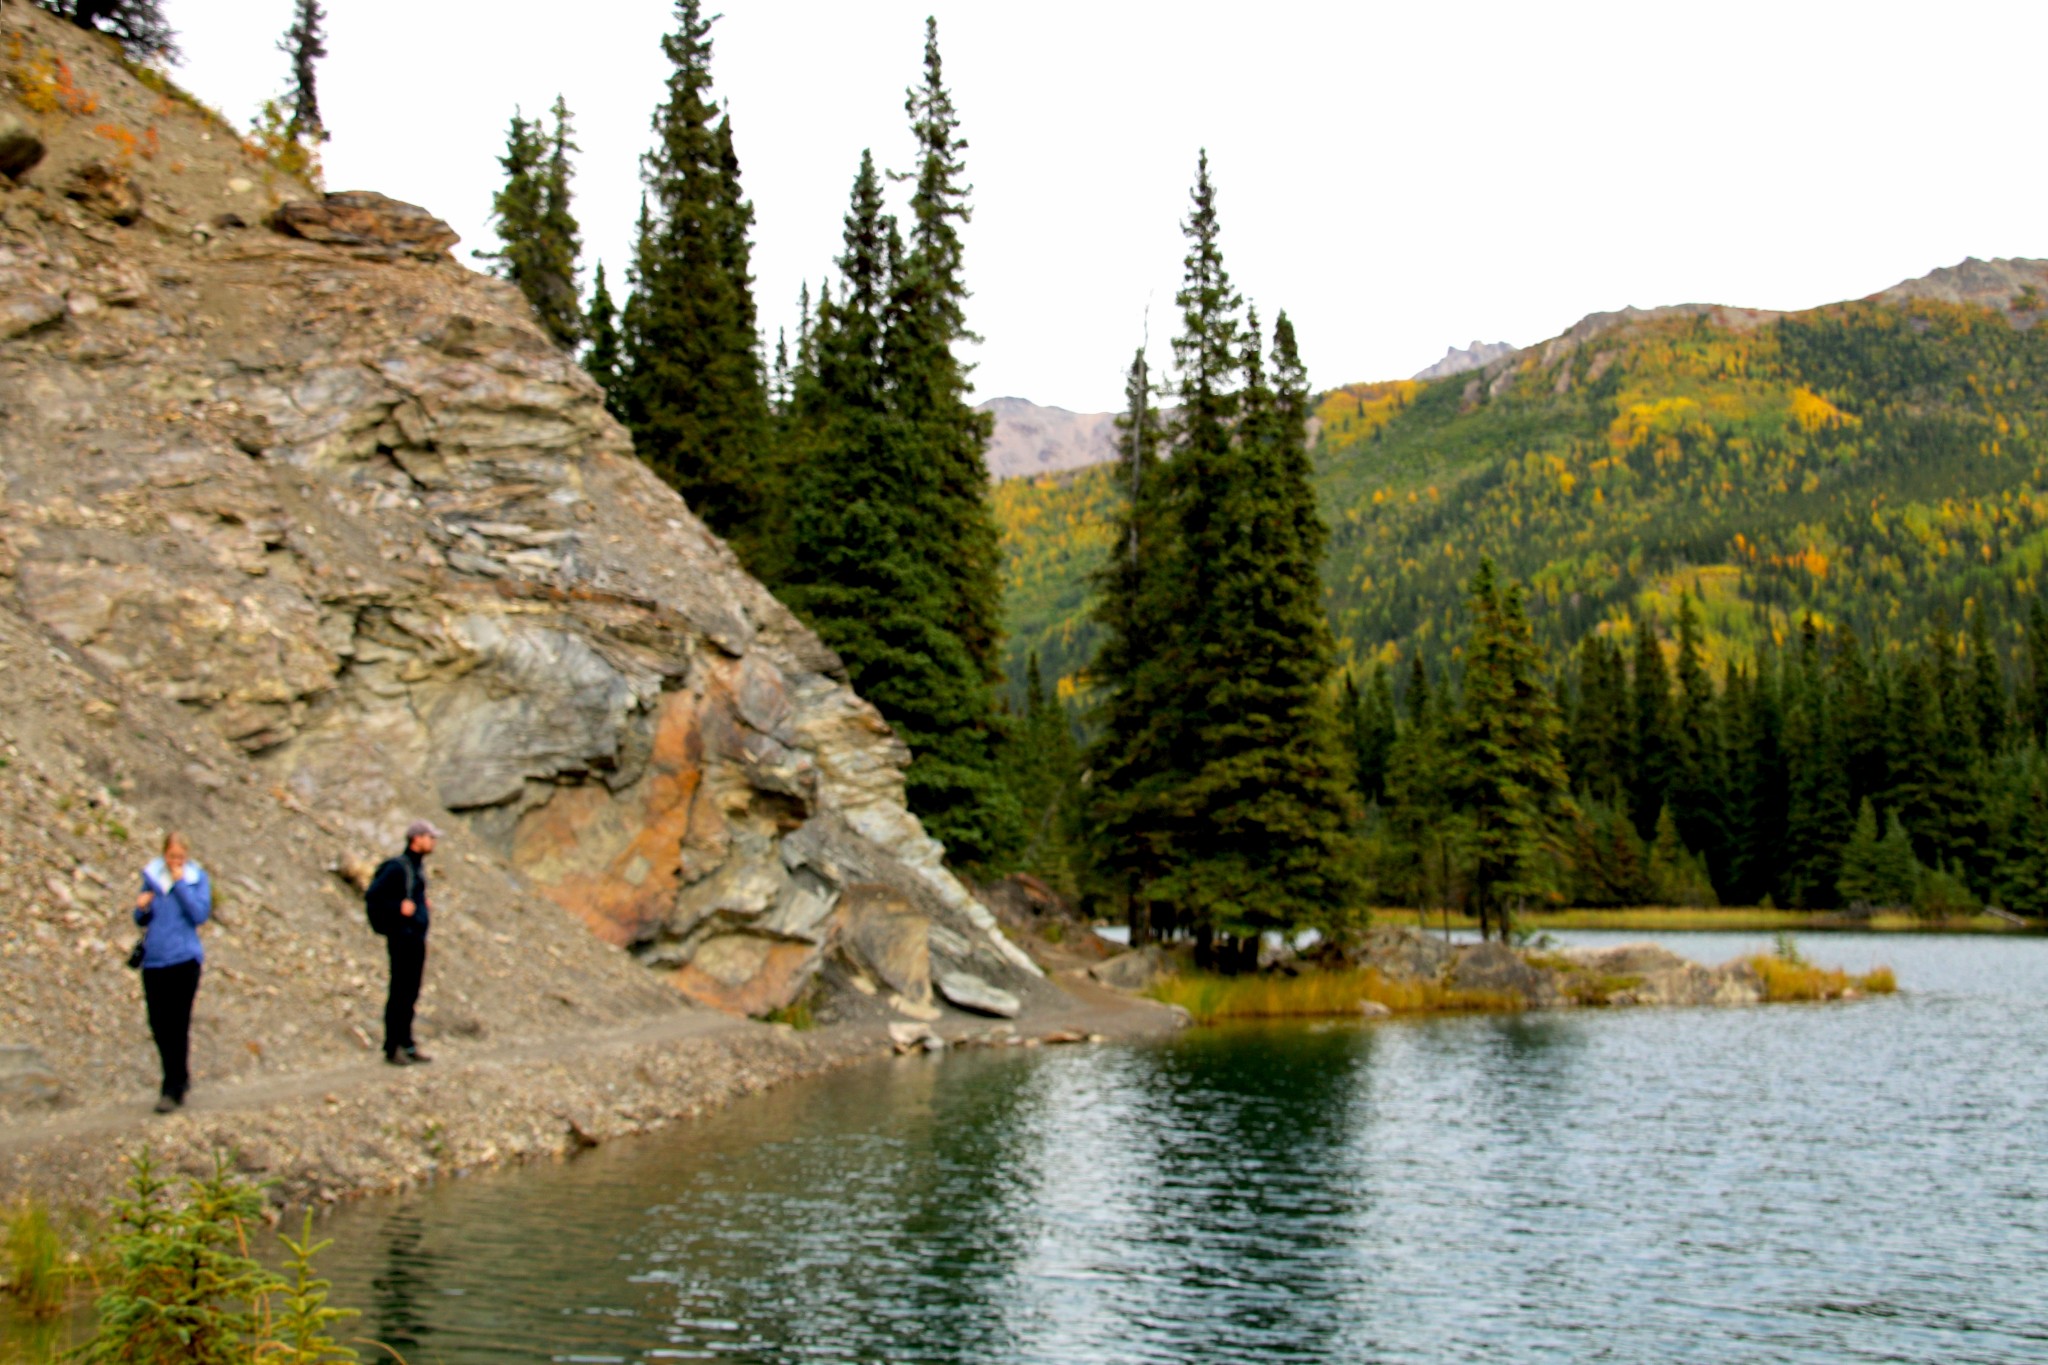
x=1695, y=606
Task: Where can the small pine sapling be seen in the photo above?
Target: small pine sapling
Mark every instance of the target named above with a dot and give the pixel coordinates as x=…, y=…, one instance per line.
x=301, y=1330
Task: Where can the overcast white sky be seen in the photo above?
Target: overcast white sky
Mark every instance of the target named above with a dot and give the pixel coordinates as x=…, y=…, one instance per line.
x=1398, y=178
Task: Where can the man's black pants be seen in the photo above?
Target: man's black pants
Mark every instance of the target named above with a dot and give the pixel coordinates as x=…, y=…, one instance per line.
x=168, y=992
x=408, y=965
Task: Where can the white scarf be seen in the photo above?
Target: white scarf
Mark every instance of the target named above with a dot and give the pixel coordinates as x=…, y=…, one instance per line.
x=159, y=876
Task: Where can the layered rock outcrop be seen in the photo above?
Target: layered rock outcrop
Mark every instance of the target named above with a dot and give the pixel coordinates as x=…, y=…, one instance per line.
x=340, y=498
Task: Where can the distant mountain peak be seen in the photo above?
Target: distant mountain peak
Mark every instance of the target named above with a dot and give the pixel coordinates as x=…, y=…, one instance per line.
x=1991, y=284
x=1032, y=440
x=1457, y=361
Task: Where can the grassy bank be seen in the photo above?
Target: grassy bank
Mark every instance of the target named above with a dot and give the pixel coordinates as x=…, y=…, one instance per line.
x=1208, y=997
x=1737, y=920
x=1789, y=979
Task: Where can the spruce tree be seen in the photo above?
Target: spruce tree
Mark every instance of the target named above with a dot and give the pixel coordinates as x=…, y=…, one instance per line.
x=305, y=44
x=1597, y=743
x=2034, y=690
x=1864, y=724
x=138, y=25
x=2023, y=866
x=1877, y=873
x=1509, y=774
x=1753, y=730
x=1228, y=782
x=1044, y=773
x=1676, y=874
x=539, y=233
x=1650, y=724
x=1373, y=728
x=1696, y=792
x=1132, y=758
x=1986, y=701
x=692, y=390
x=928, y=323
x=867, y=580
x=601, y=354
x=1817, y=817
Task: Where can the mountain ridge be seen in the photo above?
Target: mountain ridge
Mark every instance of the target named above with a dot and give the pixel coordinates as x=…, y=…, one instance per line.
x=1901, y=397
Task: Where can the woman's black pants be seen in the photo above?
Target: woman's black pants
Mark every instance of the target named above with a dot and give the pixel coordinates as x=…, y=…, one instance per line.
x=169, y=991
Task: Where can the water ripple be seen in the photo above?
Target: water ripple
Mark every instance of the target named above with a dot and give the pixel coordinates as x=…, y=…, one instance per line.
x=1859, y=1183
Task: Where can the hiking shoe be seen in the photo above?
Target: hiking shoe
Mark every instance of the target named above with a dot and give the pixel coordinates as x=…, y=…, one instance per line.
x=398, y=1059
x=165, y=1104
x=415, y=1057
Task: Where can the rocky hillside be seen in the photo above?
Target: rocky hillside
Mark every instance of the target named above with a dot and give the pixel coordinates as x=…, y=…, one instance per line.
x=306, y=529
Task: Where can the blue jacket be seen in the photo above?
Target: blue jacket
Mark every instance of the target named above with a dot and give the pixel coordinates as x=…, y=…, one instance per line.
x=173, y=918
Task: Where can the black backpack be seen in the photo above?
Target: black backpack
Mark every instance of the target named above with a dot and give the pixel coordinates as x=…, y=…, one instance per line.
x=379, y=913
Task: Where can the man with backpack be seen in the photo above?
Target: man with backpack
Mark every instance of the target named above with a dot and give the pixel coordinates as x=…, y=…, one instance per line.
x=397, y=906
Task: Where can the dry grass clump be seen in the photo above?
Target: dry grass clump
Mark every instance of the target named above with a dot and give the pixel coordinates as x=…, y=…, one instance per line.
x=35, y=1270
x=1789, y=979
x=1208, y=997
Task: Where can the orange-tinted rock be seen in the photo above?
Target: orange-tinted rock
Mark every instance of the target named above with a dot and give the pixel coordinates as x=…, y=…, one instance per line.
x=747, y=974
x=614, y=858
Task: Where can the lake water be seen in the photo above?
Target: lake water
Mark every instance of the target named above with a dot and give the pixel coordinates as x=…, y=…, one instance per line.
x=1797, y=1183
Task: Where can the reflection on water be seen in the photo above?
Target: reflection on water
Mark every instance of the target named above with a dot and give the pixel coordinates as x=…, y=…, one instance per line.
x=1865, y=1182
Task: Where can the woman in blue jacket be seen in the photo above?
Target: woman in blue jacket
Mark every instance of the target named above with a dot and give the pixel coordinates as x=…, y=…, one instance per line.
x=176, y=899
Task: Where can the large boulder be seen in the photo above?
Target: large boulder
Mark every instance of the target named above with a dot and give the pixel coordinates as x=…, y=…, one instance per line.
x=21, y=148
x=106, y=190
x=1500, y=969
x=883, y=935
x=964, y=990
x=1402, y=953
x=371, y=223
x=28, y=311
x=1131, y=971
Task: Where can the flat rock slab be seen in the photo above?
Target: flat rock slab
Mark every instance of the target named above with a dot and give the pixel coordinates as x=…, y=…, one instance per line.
x=363, y=219
x=1626, y=959
x=969, y=992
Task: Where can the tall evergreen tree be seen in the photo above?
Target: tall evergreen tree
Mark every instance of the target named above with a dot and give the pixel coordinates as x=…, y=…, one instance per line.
x=602, y=356
x=305, y=44
x=540, y=236
x=867, y=579
x=1131, y=760
x=1373, y=729
x=1696, y=791
x=1877, y=873
x=138, y=25
x=692, y=391
x=2034, y=694
x=1864, y=723
x=1598, y=743
x=1044, y=773
x=1229, y=779
x=1817, y=818
x=1754, y=731
x=1650, y=721
x=1986, y=702
x=928, y=324
x=1510, y=776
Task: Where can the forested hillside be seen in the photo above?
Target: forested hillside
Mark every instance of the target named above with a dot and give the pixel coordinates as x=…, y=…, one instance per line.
x=1871, y=463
